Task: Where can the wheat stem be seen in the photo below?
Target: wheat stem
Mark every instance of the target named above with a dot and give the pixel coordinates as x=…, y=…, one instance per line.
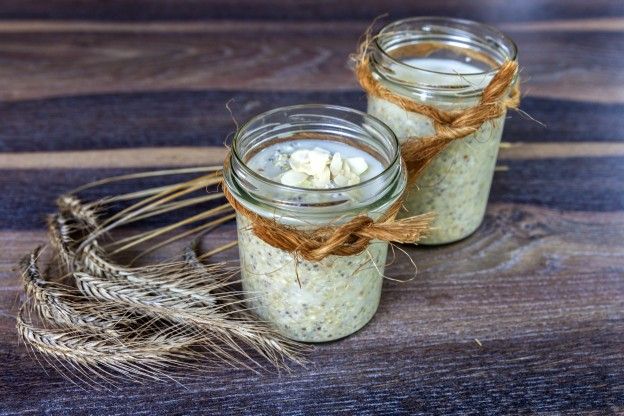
x=149, y=174
x=204, y=227
x=162, y=230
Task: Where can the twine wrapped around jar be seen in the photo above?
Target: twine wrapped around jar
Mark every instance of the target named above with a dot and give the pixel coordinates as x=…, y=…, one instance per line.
x=350, y=238
x=502, y=92
x=355, y=235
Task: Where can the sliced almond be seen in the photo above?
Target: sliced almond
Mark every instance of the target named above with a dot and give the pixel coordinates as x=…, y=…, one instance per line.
x=357, y=164
x=353, y=180
x=341, y=180
x=336, y=164
x=318, y=167
x=323, y=180
x=318, y=161
x=346, y=170
x=293, y=178
x=299, y=160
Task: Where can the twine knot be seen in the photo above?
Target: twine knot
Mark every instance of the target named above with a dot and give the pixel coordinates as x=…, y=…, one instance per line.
x=346, y=239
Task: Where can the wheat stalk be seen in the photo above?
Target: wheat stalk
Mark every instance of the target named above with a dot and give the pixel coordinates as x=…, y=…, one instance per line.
x=109, y=319
x=134, y=322
x=60, y=304
x=147, y=174
x=97, y=356
x=167, y=280
x=86, y=215
x=60, y=236
x=221, y=209
x=56, y=306
x=156, y=201
x=229, y=321
x=215, y=322
x=174, y=287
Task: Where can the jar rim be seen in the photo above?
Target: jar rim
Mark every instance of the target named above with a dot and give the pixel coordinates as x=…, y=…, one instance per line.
x=474, y=41
x=446, y=21
x=302, y=206
x=346, y=110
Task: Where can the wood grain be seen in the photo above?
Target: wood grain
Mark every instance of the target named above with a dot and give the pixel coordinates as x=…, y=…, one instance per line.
x=540, y=303
x=576, y=184
x=141, y=10
x=182, y=118
x=600, y=24
x=312, y=56
x=188, y=156
x=524, y=317
x=158, y=157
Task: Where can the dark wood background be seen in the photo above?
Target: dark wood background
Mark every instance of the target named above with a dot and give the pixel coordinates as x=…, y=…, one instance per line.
x=89, y=89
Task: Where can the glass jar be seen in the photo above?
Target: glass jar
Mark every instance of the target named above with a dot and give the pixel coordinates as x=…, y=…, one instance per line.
x=313, y=301
x=444, y=63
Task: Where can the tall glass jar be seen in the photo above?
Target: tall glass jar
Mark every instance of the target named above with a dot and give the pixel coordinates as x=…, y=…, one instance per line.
x=313, y=301
x=445, y=63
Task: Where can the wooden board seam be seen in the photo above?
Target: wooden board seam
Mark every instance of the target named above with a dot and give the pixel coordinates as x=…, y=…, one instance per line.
x=210, y=155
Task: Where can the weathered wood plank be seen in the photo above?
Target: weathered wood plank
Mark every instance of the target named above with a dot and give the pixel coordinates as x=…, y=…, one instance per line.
x=141, y=10
x=569, y=184
x=185, y=118
x=517, y=243
x=544, y=299
x=204, y=27
x=604, y=24
x=114, y=87
x=156, y=157
x=588, y=184
x=308, y=56
x=504, y=376
x=559, y=149
x=189, y=156
x=29, y=196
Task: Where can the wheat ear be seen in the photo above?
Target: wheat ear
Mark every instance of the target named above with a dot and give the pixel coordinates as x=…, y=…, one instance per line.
x=101, y=358
x=61, y=304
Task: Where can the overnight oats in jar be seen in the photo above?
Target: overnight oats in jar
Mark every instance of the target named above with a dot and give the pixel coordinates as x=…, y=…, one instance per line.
x=307, y=167
x=446, y=64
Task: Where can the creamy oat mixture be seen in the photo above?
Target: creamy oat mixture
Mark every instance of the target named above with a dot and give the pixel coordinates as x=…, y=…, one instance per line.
x=456, y=184
x=312, y=301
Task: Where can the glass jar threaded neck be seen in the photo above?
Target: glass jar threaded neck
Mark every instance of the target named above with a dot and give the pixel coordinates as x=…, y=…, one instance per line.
x=321, y=123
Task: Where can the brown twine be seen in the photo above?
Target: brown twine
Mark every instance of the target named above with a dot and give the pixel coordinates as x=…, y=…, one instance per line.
x=354, y=236
x=452, y=125
x=342, y=240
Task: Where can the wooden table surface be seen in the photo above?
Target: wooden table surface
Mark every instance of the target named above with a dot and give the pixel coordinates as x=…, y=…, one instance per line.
x=93, y=89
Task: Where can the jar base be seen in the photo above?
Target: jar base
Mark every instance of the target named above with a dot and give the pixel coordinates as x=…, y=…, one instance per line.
x=333, y=339
x=452, y=240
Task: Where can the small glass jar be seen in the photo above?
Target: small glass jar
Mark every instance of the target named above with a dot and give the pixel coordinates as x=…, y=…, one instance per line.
x=444, y=63
x=313, y=301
